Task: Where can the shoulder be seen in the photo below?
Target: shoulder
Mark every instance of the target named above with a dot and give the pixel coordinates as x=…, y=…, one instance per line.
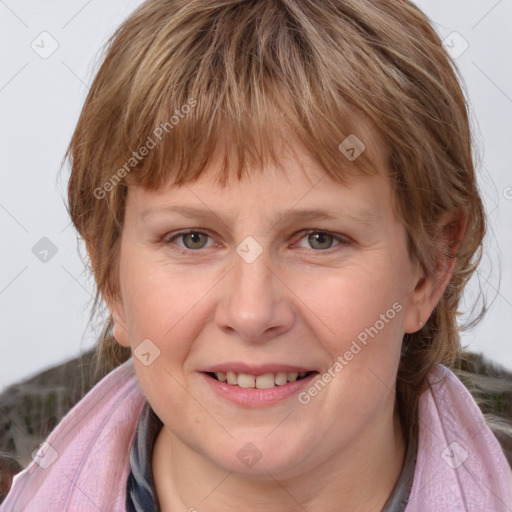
x=490, y=384
x=460, y=462
x=87, y=454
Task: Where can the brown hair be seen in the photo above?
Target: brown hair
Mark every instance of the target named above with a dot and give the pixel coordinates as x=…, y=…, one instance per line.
x=310, y=64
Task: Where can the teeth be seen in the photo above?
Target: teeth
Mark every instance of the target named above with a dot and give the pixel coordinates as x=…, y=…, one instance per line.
x=245, y=380
x=266, y=381
x=281, y=378
x=263, y=381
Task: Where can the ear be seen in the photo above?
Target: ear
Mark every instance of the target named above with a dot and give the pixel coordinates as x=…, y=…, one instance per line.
x=428, y=289
x=114, y=304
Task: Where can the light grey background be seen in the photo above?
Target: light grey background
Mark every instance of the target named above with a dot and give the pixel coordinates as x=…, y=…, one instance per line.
x=44, y=305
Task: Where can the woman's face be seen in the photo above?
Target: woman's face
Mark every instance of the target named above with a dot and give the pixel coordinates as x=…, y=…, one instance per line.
x=281, y=274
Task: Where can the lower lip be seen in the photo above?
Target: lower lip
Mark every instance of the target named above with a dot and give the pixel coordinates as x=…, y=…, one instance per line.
x=253, y=397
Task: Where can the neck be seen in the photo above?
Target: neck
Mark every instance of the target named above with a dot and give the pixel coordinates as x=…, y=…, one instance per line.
x=361, y=478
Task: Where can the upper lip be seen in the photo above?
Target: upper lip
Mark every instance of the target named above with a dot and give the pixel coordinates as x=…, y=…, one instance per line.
x=261, y=369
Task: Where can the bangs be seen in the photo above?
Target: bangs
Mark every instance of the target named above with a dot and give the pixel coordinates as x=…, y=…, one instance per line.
x=242, y=86
x=250, y=139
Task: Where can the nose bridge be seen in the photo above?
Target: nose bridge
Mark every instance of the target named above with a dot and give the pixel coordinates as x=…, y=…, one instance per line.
x=255, y=303
x=252, y=280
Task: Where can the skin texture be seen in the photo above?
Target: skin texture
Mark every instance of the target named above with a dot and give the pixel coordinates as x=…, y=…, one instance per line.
x=303, y=301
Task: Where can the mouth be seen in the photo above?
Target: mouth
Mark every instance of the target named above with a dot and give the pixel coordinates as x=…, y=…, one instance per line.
x=265, y=381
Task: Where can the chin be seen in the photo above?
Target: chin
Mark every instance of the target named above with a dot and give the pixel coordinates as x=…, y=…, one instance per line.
x=259, y=458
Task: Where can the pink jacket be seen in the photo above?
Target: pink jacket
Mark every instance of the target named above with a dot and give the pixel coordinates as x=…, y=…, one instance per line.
x=84, y=464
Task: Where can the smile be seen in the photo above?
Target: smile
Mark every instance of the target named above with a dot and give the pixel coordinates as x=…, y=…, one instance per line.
x=265, y=381
x=257, y=387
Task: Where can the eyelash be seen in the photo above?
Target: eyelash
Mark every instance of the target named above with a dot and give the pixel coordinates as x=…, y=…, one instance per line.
x=342, y=241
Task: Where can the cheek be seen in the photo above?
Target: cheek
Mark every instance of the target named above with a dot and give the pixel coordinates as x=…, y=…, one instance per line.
x=348, y=303
x=165, y=306
x=361, y=313
x=162, y=303
x=358, y=315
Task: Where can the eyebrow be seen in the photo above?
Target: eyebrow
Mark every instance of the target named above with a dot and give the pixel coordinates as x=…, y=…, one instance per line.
x=362, y=216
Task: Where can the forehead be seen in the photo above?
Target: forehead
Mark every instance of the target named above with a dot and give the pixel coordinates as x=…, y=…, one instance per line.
x=294, y=178
x=297, y=189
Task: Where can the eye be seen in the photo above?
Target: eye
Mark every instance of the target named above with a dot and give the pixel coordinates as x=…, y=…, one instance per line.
x=191, y=239
x=322, y=240
x=316, y=239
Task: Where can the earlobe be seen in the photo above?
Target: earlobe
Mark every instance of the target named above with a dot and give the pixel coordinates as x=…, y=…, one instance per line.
x=121, y=334
x=418, y=309
x=119, y=330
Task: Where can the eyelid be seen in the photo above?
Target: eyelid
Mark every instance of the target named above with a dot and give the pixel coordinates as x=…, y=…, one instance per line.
x=341, y=239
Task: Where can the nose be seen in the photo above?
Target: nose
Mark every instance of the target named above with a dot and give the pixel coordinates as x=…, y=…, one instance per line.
x=255, y=302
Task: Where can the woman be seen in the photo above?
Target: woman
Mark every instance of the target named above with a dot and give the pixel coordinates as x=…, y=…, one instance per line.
x=279, y=204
